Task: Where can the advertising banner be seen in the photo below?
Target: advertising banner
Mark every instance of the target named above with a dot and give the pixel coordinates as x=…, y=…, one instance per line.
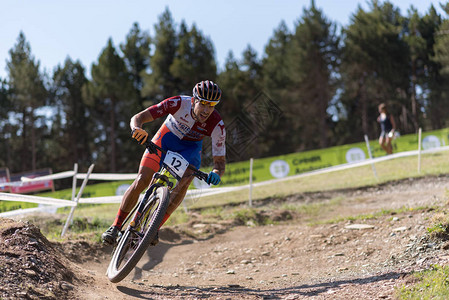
x=4, y=177
x=33, y=186
x=301, y=162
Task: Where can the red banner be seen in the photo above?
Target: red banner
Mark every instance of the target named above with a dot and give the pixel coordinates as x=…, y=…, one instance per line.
x=33, y=186
x=4, y=177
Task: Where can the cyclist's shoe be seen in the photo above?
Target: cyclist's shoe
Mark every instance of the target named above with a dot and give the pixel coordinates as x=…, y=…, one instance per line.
x=110, y=235
x=155, y=241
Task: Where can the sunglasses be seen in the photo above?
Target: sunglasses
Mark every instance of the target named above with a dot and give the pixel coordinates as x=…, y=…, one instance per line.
x=208, y=103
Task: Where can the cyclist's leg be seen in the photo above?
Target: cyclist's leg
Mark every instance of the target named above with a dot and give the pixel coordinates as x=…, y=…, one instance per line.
x=149, y=164
x=129, y=200
x=178, y=194
x=136, y=188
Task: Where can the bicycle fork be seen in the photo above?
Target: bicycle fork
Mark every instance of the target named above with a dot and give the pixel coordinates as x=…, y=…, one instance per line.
x=159, y=180
x=141, y=206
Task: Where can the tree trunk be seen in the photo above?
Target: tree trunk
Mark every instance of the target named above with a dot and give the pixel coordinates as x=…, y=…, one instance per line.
x=33, y=141
x=404, y=118
x=413, y=97
x=23, y=151
x=363, y=104
x=323, y=120
x=113, y=164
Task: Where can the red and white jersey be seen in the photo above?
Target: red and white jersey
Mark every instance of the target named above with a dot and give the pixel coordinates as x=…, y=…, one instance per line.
x=182, y=124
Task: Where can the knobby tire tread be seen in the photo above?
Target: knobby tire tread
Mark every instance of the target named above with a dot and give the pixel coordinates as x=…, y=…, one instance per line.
x=116, y=275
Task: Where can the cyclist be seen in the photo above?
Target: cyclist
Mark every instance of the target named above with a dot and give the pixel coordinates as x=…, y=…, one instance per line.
x=387, y=127
x=189, y=120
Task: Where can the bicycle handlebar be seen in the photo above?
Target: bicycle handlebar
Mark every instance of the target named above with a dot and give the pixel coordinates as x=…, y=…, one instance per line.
x=197, y=173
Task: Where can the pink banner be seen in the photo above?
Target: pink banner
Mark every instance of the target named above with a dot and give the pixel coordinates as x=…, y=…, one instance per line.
x=34, y=186
x=4, y=177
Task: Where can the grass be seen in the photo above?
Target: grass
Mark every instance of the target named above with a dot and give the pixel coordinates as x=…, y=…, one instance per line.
x=374, y=215
x=432, y=284
x=391, y=170
x=91, y=190
x=13, y=205
x=440, y=227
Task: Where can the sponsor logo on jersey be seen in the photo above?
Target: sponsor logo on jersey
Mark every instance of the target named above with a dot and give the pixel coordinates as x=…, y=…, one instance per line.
x=195, y=135
x=173, y=103
x=181, y=127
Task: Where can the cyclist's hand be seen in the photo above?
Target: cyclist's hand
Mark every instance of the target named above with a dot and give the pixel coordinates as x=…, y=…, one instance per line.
x=140, y=135
x=213, y=178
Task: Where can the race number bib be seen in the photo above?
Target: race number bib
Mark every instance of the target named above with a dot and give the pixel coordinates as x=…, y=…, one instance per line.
x=176, y=164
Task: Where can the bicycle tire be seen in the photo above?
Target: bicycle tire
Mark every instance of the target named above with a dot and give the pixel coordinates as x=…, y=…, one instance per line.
x=134, y=245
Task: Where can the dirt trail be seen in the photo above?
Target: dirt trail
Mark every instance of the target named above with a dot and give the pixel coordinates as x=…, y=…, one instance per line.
x=292, y=260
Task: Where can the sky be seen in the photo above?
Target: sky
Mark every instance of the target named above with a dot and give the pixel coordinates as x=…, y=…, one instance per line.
x=80, y=29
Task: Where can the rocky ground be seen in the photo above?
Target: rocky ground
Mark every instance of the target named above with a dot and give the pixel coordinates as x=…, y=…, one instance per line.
x=353, y=258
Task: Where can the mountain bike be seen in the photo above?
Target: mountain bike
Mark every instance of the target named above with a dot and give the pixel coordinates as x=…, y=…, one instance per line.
x=143, y=222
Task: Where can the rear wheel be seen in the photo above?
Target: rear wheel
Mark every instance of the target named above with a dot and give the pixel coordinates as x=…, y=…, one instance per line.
x=135, y=240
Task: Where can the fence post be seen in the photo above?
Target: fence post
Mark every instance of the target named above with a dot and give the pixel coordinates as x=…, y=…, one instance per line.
x=186, y=210
x=80, y=192
x=75, y=171
x=370, y=156
x=419, y=150
x=251, y=182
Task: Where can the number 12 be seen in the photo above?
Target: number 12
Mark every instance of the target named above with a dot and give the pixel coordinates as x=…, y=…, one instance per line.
x=177, y=162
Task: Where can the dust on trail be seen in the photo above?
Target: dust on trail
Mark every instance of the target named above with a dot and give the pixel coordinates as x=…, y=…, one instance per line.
x=231, y=260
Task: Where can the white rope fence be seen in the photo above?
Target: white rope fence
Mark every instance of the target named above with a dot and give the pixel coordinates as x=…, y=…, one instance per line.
x=191, y=194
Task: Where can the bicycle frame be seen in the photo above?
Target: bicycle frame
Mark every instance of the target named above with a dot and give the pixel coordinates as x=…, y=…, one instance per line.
x=161, y=178
x=164, y=177
x=147, y=215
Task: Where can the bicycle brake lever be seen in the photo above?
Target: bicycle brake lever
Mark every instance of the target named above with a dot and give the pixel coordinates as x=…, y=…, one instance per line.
x=202, y=175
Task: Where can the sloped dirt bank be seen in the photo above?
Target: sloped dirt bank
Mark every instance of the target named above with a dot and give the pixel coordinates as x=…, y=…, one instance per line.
x=30, y=266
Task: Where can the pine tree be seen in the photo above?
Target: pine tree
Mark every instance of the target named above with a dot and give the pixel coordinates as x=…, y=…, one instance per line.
x=374, y=69
x=160, y=83
x=71, y=125
x=27, y=92
x=194, y=60
x=136, y=53
x=438, y=70
x=5, y=126
x=313, y=60
x=417, y=46
x=111, y=96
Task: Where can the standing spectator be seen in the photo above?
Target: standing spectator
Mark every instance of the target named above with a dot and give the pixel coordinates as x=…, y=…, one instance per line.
x=387, y=127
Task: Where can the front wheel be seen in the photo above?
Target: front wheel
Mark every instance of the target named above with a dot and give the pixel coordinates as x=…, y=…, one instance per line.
x=135, y=240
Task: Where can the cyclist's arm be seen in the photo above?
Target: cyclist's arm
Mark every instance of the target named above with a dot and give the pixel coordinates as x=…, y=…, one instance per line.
x=140, y=118
x=219, y=148
x=219, y=165
x=168, y=106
